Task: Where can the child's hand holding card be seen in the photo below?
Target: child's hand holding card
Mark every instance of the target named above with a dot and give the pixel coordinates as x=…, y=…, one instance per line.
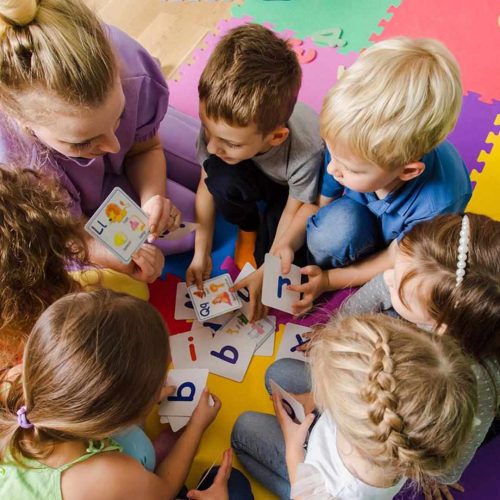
x=215, y=299
x=294, y=409
x=275, y=292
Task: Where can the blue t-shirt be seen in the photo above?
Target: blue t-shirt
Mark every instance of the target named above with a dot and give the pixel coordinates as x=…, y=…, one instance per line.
x=443, y=187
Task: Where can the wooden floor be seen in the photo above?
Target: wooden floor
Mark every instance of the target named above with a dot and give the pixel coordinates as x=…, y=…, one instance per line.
x=169, y=30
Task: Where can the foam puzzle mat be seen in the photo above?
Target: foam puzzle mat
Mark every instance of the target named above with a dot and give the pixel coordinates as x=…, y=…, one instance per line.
x=327, y=35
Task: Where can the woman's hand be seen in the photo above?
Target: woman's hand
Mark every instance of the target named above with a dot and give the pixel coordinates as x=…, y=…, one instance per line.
x=163, y=215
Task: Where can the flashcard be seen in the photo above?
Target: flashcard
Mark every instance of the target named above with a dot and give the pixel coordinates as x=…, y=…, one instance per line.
x=230, y=355
x=294, y=409
x=190, y=349
x=267, y=347
x=215, y=299
x=190, y=384
x=243, y=293
x=274, y=290
x=214, y=324
x=184, y=308
x=177, y=423
x=120, y=224
x=184, y=229
x=255, y=331
x=293, y=337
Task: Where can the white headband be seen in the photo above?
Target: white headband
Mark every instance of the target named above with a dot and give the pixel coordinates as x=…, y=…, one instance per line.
x=463, y=248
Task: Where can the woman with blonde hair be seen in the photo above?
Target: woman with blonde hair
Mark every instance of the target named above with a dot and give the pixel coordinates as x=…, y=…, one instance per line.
x=395, y=403
x=85, y=100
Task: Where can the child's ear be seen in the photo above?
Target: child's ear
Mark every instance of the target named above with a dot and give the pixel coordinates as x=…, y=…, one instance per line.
x=278, y=136
x=412, y=170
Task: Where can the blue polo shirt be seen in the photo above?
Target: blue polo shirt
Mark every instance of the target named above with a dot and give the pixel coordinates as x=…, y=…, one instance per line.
x=443, y=187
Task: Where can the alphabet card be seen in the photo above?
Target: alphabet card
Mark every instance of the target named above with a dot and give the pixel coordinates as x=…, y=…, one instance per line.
x=215, y=299
x=256, y=331
x=275, y=291
x=189, y=386
x=190, y=349
x=176, y=423
x=243, y=293
x=293, y=337
x=267, y=347
x=184, y=308
x=294, y=409
x=183, y=230
x=230, y=355
x=214, y=324
x=120, y=224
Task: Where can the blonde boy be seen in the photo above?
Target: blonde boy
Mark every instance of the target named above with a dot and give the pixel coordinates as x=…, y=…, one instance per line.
x=261, y=153
x=389, y=166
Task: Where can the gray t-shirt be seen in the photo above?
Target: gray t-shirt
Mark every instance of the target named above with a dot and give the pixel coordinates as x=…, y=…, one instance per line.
x=297, y=162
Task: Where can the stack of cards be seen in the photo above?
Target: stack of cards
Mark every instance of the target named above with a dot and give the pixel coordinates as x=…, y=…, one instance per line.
x=221, y=339
x=122, y=226
x=177, y=409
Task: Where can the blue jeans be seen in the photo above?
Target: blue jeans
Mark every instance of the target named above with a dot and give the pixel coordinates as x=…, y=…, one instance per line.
x=258, y=442
x=343, y=232
x=291, y=374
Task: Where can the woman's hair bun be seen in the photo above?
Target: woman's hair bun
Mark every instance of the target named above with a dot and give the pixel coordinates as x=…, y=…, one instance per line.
x=18, y=12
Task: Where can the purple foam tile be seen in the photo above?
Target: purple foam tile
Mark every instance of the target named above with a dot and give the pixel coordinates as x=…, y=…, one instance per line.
x=475, y=122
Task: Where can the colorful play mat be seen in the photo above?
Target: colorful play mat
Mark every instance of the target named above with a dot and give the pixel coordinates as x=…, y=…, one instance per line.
x=328, y=35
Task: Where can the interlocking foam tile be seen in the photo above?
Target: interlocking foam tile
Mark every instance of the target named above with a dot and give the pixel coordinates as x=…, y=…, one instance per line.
x=357, y=20
x=485, y=196
x=472, y=128
x=469, y=29
x=318, y=75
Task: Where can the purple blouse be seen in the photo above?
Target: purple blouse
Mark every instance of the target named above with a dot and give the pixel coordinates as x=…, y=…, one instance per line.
x=89, y=181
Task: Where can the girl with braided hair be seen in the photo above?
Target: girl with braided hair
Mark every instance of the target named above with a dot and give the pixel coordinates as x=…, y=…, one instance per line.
x=395, y=403
x=446, y=279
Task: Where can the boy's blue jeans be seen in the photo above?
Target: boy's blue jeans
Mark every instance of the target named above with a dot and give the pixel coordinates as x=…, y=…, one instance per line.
x=343, y=232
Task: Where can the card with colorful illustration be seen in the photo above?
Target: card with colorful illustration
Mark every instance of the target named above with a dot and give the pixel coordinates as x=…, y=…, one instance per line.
x=293, y=337
x=230, y=355
x=294, y=409
x=184, y=308
x=256, y=331
x=183, y=230
x=120, y=224
x=215, y=299
x=275, y=291
x=189, y=385
x=190, y=349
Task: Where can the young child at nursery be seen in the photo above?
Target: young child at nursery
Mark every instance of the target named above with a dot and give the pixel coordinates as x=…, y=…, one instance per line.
x=445, y=279
x=388, y=165
x=85, y=100
x=94, y=364
x=395, y=403
x=39, y=239
x=261, y=152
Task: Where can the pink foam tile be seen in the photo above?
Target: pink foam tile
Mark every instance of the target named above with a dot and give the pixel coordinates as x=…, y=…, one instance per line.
x=468, y=28
x=319, y=66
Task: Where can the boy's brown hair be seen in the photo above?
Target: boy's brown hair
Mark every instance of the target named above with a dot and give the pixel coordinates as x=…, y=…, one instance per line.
x=470, y=311
x=252, y=76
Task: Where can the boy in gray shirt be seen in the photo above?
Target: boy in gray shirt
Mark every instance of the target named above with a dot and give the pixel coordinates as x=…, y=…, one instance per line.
x=261, y=153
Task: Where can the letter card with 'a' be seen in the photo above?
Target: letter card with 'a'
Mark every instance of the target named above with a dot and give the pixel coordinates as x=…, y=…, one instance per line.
x=215, y=299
